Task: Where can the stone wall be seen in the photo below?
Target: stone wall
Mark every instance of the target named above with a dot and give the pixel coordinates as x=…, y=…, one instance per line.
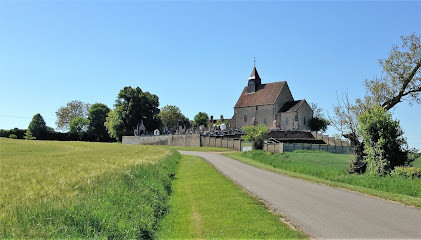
x=189, y=140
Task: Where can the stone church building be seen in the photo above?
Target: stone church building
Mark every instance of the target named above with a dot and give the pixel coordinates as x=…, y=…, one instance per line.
x=271, y=104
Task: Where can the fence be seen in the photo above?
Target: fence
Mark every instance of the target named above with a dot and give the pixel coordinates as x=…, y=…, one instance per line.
x=239, y=145
x=195, y=140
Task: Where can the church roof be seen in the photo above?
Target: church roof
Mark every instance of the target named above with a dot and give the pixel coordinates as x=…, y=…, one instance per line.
x=292, y=106
x=254, y=74
x=265, y=94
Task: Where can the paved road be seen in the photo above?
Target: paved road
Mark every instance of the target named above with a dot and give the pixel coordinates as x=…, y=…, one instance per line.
x=319, y=210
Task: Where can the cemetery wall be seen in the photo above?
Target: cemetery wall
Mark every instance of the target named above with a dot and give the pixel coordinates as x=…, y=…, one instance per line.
x=187, y=140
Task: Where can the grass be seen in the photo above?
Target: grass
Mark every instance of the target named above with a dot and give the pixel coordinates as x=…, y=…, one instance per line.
x=205, y=204
x=79, y=189
x=417, y=162
x=328, y=168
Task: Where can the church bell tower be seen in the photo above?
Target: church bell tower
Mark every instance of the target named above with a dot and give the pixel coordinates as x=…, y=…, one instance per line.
x=254, y=81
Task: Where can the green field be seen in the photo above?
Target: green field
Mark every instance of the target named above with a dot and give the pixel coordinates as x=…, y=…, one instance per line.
x=80, y=189
x=205, y=205
x=329, y=168
x=417, y=162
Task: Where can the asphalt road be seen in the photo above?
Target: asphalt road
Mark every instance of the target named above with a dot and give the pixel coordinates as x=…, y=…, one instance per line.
x=321, y=211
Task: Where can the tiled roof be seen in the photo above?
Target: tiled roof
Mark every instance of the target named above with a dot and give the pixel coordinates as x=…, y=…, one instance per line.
x=266, y=94
x=292, y=106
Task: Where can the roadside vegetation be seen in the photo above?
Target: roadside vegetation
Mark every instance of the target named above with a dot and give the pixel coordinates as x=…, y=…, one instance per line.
x=329, y=168
x=83, y=190
x=205, y=205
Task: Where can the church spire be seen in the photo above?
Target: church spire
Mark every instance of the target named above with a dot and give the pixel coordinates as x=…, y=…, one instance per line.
x=254, y=81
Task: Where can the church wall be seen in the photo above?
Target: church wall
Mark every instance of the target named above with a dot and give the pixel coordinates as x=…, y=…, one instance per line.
x=287, y=121
x=304, y=115
x=254, y=115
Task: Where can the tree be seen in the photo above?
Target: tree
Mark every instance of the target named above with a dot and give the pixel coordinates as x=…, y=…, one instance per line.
x=131, y=107
x=73, y=109
x=256, y=134
x=97, y=116
x=318, y=122
x=171, y=116
x=384, y=145
x=201, y=119
x=114, y=124
x=37, y=128
x=79, y=125
x=401, y=82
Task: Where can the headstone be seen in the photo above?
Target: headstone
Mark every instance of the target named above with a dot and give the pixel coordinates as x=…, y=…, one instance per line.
x=156, y=132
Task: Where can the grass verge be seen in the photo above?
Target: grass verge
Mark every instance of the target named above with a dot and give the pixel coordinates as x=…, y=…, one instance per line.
x=205, y=204
x=113, y=190
x=330, y=169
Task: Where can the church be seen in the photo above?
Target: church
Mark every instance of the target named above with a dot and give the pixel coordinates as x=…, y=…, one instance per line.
x=271, y=104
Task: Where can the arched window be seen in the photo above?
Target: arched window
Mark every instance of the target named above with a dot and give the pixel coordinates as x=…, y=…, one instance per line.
x=245, y=118
x=304, y=120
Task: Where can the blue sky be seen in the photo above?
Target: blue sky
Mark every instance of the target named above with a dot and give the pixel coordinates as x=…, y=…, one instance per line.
x=195, y=55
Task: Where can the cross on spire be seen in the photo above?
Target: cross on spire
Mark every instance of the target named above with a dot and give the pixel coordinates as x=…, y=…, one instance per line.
x=254, y=61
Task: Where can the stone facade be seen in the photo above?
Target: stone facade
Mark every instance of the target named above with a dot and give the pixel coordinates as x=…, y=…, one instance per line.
x=271, y=104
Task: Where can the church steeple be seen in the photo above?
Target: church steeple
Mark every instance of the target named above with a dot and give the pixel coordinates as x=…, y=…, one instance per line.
x=254, y=81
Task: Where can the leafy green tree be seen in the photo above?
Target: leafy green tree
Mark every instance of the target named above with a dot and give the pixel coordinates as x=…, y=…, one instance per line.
x=114, y=124
x=37, y=128
x=201, y=119
x=383, y=140
x=318, y=124
x=72, y=110
x=171, y=116
x=131, y=107
x=79, y=125
x=256, y=134
x=400, y=81
x=97, y=116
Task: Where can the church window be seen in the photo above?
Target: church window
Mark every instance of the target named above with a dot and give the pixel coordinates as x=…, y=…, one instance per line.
x=304, y=120
x=296, y=117
x=286, y=120
x=245, y=118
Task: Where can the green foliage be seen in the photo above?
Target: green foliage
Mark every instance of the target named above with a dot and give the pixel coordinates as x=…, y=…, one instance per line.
x=13, y=136
x=38, y=127
x=72, y=110
x=131, y=107
x=219, y=122
x=409, y=172
x=318, y=123
x=171, y=116
x=29, y=136
x=383, y=141
x=114, y=124
x=97, y=116
x=201, y=118
x=256, y=134
x=79, y=125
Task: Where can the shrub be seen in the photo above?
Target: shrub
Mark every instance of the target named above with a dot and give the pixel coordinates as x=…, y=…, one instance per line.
x=413, y=172
x=383, y=141
x=256, y=134
x=13, y=136
x=28, y=136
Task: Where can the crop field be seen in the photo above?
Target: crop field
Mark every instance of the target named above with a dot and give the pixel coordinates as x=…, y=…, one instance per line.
x=330, y=169
x=54, y=189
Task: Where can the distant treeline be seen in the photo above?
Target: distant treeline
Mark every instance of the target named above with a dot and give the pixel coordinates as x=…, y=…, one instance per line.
x=58, y=136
